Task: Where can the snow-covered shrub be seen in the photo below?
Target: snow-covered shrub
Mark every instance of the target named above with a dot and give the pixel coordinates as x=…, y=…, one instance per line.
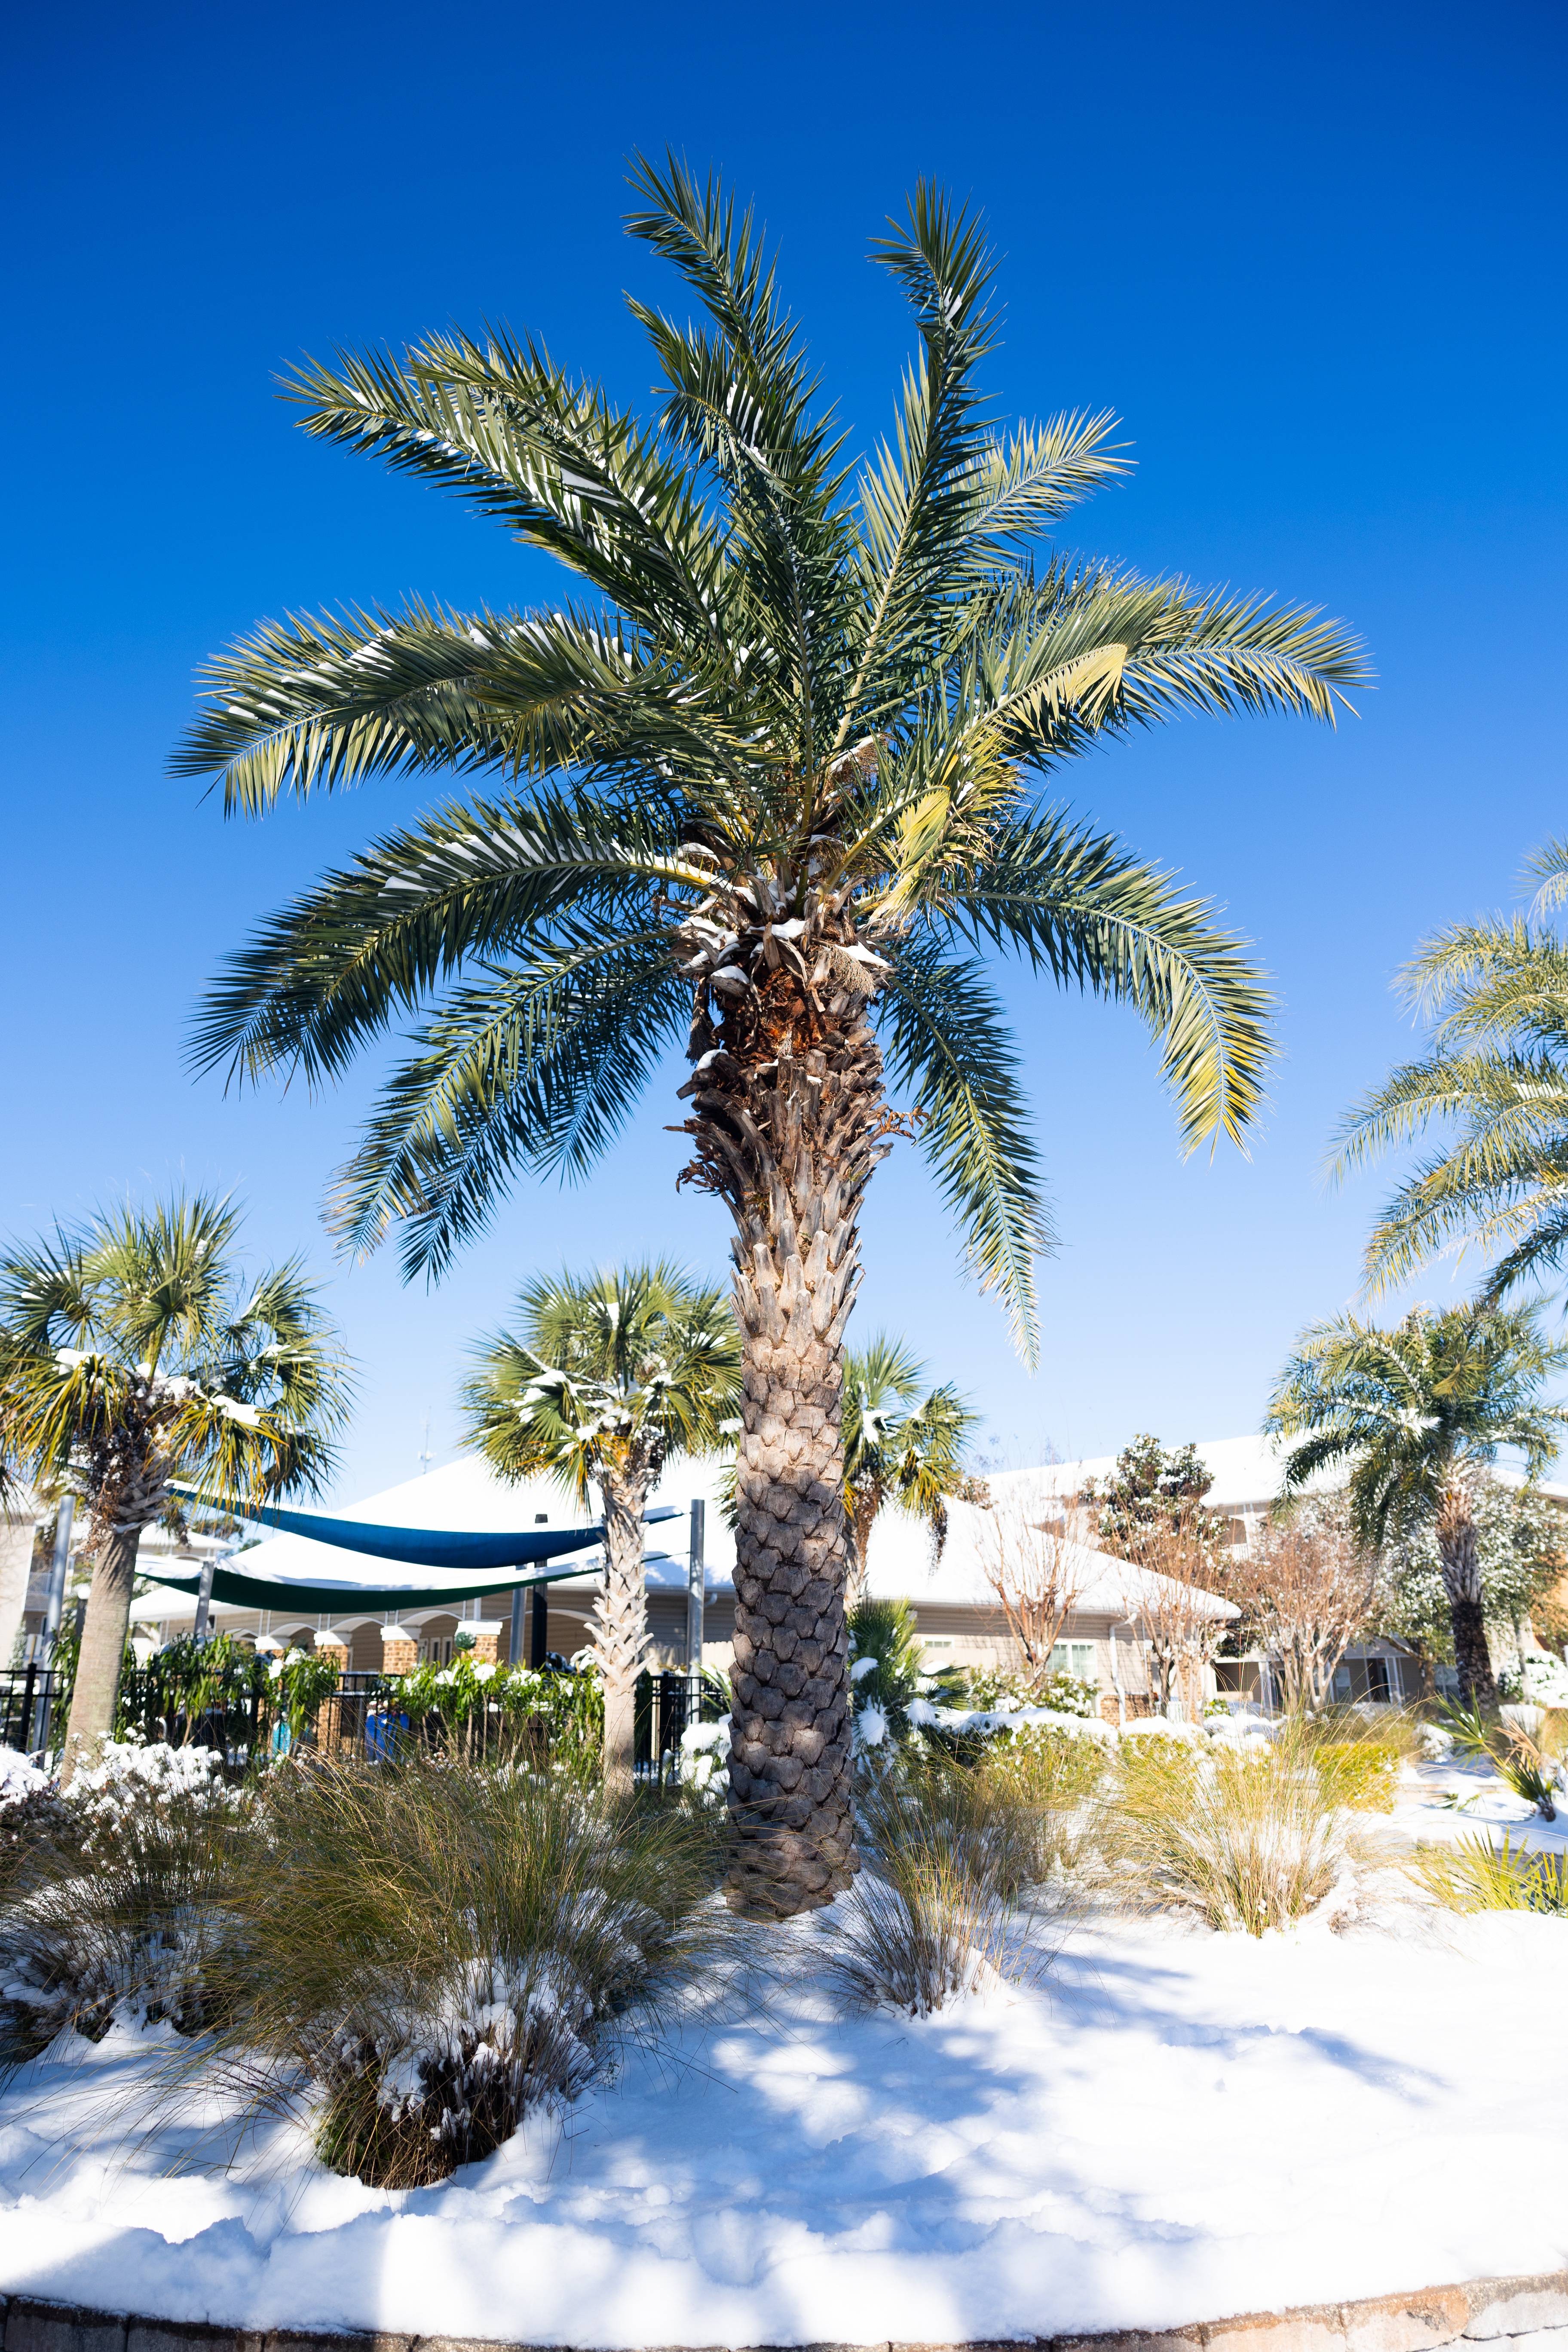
x=1244, y=1836
x=704, y=1764
x=929, y=1913
x=1068, y=1694
x=426, y=1950
x=891, y=1693
x=1543, y=1681
x=35, y=1828
x=122, y=1917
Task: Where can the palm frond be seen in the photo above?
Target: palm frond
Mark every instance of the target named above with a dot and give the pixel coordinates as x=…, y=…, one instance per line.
x=947, y=1042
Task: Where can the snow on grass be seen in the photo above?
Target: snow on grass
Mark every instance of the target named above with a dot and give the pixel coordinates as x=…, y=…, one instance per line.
x=1171, y=2124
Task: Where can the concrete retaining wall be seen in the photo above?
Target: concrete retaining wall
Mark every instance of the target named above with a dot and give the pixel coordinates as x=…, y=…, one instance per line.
x=1530, y=2314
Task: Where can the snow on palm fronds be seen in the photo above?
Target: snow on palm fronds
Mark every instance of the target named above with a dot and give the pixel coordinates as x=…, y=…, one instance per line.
x=113, y=1909
x=1246, y=1836
x=426, y=1951
x=931, y=1915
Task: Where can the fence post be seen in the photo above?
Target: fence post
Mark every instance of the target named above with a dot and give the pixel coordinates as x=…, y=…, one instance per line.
x=696, y=1592
x=26, y=1708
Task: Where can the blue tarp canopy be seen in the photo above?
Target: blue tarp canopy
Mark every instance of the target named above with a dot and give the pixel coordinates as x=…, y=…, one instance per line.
x=494, y=1563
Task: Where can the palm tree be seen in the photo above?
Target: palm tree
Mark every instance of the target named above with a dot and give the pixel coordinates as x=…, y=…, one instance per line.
x=133, y=1353
x=769, y=793
x=899, y=1446
x=1419, y=1412
x=613, y=1374
x=1497, y=996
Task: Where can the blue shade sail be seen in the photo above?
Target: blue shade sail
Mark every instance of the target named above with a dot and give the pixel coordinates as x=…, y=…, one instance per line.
x=418, y=1547
x=334, y=1599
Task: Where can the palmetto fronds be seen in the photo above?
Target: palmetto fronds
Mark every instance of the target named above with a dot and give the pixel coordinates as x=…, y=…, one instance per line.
x=792, y=739
x=135, y=1350
x=903, y=1442
x=633, y=1361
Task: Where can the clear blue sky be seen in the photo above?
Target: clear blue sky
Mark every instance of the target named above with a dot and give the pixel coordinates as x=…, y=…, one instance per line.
x=1313, y=257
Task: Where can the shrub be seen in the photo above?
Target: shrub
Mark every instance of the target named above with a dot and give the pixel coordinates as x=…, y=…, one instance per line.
x=118, y=1916
x=433, y=1949
x=892, y=1692
x=1476, y=1876
x=1513, y=1746
x=1361, y=1775
x=1244, y=1837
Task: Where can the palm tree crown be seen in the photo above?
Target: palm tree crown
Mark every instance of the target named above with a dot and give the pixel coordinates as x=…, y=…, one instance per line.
x=135, y=1352
x=1418, y=1413
x=1497, y=994
x=902, y=1443
x=770, y=790
x=608, y=1376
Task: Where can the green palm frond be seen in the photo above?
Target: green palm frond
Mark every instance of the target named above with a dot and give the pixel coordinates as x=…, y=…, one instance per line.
x=948, y=1046
x=536, y=1067
x=1406, y=1406
x=1078, y=905
x=801, y=700
x=633, y=1360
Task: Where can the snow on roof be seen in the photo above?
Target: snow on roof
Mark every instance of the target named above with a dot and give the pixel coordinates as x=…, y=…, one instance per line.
x=904, y=1564
x=1245, y=1470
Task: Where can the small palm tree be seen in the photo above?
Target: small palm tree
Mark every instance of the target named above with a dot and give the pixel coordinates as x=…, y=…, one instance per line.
x=1497, y=995
x=771, y=794
x=608, y=1377
x=1419, y=1412
x=901, y=1445
x=134, y=1353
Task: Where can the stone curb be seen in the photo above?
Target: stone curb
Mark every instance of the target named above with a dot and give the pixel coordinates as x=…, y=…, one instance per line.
x=1530, y=2313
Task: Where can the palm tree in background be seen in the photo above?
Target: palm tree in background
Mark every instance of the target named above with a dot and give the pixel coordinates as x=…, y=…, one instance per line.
x=134, y=1353
x=605, y=1379
x=902, y=1443
x=768, y=792
x=1497, y=996
x=1420, y=1414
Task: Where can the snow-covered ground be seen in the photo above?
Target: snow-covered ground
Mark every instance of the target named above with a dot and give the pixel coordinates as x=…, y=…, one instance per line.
x=1170, y=2124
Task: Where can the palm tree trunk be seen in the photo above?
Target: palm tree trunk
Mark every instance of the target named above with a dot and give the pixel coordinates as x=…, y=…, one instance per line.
x=790, y=1141
x=620, y=1625
x=1459, y=1556
x=96, y=1694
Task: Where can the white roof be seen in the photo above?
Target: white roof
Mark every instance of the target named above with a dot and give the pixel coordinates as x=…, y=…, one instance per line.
x=904, y=1564
x=1246, y=1471
x=468, y=1496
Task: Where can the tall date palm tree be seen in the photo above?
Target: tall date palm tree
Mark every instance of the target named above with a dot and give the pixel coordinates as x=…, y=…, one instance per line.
x=608, y=1377
x=769, y=791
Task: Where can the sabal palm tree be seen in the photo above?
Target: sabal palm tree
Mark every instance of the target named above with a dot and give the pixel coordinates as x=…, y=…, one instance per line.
x=1497, y=996
x=604, y=1379
x=1418, y=1413
x=902, y=1443
x=135, y=1352
x=769, y=793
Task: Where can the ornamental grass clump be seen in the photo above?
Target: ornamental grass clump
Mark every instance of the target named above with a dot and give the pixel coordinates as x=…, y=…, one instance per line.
x=1476, y=1876
x=116, y=1911
x=1243, y=1837
x=948, y=1857
x=425, y=1951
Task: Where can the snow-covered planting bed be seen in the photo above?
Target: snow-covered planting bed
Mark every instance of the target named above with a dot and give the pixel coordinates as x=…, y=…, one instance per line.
x=1172, y=2125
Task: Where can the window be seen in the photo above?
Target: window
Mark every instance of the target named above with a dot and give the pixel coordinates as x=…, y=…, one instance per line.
x=1074, y=1658
x=542, y=1518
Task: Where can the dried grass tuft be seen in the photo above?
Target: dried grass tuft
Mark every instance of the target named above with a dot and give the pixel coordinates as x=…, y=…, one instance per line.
x=1476, y=1876
x=1246, y=1838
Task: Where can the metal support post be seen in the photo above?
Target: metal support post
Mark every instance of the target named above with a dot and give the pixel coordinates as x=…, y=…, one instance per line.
x=695, y=1592
x=205, y=1596
x=539, y=1625
x=514, y=1644
x=54, y=1610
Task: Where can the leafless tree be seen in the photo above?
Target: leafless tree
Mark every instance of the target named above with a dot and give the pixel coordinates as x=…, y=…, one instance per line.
x=1173, y=1604
x=1307, y=1589
x=1036, y=1574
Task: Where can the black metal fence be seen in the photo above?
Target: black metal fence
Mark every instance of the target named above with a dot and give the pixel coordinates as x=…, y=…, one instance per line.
x=361, y=1718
